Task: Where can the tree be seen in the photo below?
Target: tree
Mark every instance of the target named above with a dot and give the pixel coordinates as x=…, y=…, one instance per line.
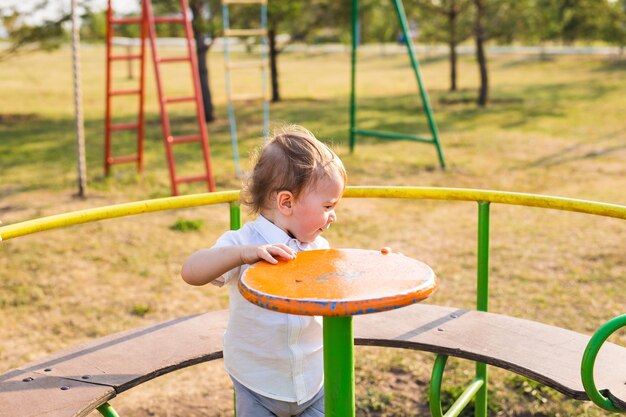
x=94, y=26
x=281, y=15
x=614, y=31
x=297, y=19
x=46, y=36
x=446, y=21
x=480, y=36
x=490, y=19
x=378, y=22
x=204, y=27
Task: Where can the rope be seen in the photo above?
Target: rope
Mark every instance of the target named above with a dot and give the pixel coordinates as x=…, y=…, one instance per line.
x=80, y=132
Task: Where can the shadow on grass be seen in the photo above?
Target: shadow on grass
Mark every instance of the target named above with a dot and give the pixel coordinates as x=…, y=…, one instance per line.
x=579, y=152
x=11, y=119
x=613, y=64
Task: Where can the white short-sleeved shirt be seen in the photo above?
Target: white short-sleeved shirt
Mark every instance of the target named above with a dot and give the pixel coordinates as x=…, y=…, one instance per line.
x=277, y=355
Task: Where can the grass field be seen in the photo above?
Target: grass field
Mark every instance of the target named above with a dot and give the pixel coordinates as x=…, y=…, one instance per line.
x=554, y=127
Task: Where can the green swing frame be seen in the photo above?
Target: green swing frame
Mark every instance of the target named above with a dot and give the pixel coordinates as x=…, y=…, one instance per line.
x=354, y=130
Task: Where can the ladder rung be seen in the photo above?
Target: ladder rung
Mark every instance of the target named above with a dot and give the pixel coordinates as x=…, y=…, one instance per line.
x=123, y=126
x=124, y=92
x=184, y=139
x=175, y=59
x=168, y=19
x=244, y=65
x=247, y=97
x=192, y=179
x=245, y=32
x=126, y=20
x=179, y=99
x=124, y=57
x=122, y=159
x=244, y=1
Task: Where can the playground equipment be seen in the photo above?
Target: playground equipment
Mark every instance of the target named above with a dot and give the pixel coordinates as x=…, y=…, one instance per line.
x=338, y=284
x=78, y=380
x=354, y=130
x=148, y=22
x=229, y=66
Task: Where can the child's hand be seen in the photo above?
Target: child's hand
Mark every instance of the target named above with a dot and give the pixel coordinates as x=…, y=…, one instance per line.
x=269, y=253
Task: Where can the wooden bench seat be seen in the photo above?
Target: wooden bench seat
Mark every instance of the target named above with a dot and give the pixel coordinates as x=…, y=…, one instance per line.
x=75, y=381
x=547, y=354
x=100, y=369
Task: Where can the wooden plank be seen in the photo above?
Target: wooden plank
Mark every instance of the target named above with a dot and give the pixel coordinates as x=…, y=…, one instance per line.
x=618, y=398
x=545, y=353
x=30, y=394
x=127, y=359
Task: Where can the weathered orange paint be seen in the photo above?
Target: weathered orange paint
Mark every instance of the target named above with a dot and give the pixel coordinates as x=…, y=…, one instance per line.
x=338, y=282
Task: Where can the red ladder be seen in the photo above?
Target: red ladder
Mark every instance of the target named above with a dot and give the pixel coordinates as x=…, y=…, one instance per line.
x=149, y=22
x=190, y=57
x=109, y=126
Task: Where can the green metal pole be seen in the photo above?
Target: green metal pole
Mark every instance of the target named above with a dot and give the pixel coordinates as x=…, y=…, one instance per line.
x=482, y=291
x=482, y=301
x=107, y=411
x=235, y=216
x=589, y=359
x=436, y=379
x=338, y=367
x=435, y=391
x=355, y=25
x=429, y=114
x=481, y=394
x=235, y=224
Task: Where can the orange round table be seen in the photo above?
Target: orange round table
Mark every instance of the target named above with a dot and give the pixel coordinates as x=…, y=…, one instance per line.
x=337, y=284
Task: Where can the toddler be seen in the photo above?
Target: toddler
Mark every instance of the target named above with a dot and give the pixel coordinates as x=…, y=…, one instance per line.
x=274, y=359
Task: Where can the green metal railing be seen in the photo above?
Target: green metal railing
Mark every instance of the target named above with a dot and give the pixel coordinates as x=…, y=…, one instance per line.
x=478, y=387
x=107, y=410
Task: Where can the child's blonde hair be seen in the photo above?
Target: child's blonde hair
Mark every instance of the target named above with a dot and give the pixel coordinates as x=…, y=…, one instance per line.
x=292, y=160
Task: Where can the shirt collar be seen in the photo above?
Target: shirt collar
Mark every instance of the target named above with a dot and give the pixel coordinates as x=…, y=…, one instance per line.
x=274, y=234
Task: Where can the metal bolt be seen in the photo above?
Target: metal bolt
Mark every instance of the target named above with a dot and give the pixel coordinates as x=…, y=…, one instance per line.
x=65, y=388
x=27, y=379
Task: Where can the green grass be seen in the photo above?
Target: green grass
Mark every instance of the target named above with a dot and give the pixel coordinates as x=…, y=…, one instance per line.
x=184, y=225
x=554, y=127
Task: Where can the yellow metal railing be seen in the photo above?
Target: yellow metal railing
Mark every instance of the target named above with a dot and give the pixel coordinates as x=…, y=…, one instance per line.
x=419, y=193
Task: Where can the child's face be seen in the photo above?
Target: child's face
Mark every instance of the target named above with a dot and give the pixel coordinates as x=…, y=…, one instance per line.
x=314, y=210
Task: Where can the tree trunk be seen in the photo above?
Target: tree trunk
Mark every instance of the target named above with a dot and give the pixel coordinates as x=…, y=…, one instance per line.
x=480, y=52
x=203, y=72
x=453, y=62
x=201, y=56
x=452, y=21
x=271, y=34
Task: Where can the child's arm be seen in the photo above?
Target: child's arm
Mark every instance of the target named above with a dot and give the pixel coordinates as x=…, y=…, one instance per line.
x=206, y=265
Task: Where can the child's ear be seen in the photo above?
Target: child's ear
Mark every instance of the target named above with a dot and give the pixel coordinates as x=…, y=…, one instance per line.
x=285, y=201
